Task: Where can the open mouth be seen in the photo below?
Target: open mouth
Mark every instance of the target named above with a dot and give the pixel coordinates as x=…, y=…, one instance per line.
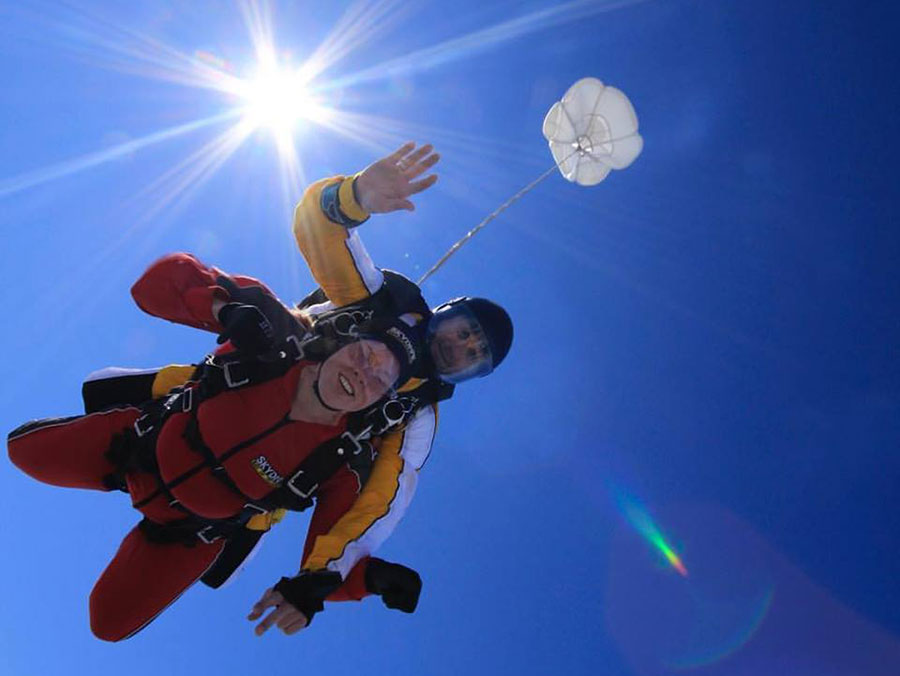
x=348, y=388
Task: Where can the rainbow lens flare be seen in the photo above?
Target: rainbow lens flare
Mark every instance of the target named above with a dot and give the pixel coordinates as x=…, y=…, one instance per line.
x=639, y=517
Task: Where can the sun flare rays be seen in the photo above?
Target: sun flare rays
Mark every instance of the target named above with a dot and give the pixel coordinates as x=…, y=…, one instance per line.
x=275, y=94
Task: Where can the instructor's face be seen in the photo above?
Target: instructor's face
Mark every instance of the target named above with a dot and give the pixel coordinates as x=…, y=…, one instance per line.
x=457, y=344
x=358, y=375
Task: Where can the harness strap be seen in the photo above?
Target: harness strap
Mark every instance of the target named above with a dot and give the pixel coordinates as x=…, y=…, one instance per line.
x=186, y=401
x=216, y=464
x=219, y=373
x=136, y=449
x=318, y=466
x=191, y=530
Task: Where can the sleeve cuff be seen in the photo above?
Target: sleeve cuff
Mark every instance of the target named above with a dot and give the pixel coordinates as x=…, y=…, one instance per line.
x=347, y=199
x=340, y=206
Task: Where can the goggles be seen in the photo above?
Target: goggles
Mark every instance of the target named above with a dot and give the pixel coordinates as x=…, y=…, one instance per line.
x=459, y=348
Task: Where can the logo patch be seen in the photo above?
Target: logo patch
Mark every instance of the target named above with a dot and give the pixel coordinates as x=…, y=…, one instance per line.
x=265, y=470
x=405, y=342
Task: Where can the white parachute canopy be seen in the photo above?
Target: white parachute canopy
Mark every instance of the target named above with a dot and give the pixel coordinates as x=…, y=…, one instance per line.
x=592, y=131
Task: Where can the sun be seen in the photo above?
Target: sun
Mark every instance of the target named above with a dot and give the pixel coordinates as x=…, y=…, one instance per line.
x=278, y=98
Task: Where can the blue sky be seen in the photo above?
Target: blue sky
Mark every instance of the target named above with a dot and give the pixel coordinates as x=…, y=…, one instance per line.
x=709, y=337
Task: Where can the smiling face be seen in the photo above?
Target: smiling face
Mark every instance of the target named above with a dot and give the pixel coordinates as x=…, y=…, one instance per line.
x=357, y=375
x=457, y=345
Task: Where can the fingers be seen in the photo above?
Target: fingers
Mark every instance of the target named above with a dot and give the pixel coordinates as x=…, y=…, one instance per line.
x=267, y=622
x=414, y=157
x=420, y=167
x=272, y=618
x=401, y=152
x=269, y=598
x=286, y=617
x=413, y=161
x=418, y=162
x=419, y=186
x=411, y=189
x=295, y=627
x=418, y=154
x=397, y=205
x=292, y=621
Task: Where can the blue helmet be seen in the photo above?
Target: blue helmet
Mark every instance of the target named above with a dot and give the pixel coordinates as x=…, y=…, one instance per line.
x=468, y=338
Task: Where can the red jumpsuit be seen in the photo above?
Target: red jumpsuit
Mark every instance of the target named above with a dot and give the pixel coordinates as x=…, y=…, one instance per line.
x=145, y=577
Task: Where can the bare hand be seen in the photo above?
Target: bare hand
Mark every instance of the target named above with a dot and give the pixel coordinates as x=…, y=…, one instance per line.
x=287, y=617
x=386, y=185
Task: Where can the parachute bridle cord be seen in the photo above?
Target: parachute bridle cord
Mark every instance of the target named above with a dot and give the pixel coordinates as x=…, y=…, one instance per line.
x=453, y=249
x=597, y=117
x=582, y=146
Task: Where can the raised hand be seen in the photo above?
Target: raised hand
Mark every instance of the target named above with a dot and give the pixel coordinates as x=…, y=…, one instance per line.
x=248, y=329
x=387, y=184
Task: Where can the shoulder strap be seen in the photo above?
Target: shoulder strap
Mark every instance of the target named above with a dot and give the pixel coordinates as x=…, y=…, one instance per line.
x=397, y=296
x=406, y=294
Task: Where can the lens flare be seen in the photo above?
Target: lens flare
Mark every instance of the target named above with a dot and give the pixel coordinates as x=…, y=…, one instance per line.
x=640, y=519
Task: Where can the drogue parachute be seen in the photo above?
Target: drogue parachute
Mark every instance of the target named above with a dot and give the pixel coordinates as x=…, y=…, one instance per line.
x=591, y=131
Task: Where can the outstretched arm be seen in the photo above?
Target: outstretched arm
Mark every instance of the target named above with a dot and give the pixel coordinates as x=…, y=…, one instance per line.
x=347, y=525
x=381, y=504
x=180, y=288
x=326, y=218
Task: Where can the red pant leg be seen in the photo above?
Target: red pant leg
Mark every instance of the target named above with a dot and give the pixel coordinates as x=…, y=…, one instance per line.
x=69, y=452
x=142, y=580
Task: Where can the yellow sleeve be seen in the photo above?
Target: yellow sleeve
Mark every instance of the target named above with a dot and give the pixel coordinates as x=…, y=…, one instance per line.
x=334, y=253
x=383, y=500
x=171, y=376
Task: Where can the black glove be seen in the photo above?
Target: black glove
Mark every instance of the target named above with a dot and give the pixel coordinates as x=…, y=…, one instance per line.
x=307, y=591
x=246, y=327
x=398, y=586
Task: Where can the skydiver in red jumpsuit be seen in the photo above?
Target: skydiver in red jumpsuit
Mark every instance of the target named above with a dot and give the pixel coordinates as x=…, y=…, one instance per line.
x=255, y=435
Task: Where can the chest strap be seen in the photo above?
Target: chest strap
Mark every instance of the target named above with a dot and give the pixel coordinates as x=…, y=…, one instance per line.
x=219, y=373
x=297, y=492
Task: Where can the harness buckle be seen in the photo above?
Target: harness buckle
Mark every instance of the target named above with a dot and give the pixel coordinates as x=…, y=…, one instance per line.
x=357, y=446
x=347, y=323
x=187, y=399
x=229, y=379
x=298, y=346
x=140, y=429
x=394, y=412
x=206, y=536
x=297, y=490
x=255, y=508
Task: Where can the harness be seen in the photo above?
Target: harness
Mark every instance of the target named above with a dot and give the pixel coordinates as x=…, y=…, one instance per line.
x=220, y=373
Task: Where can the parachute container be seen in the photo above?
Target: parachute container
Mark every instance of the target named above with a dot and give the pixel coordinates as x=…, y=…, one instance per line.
x=592, y=131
